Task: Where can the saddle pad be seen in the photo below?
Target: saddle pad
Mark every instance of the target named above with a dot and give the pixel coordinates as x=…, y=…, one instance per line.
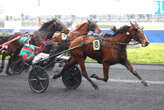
x=64, y=36
x=96, y=45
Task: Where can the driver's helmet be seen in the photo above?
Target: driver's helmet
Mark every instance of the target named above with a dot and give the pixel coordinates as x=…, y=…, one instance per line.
x=23, y=40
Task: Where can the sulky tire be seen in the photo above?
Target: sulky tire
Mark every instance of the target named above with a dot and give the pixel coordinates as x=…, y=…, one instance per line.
x=72, y=77
x=38, y=79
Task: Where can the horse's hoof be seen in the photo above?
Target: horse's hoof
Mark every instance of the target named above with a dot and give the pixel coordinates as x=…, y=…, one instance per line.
x=93, y=76
x=56, y=76
x=96, y=87
x=144, y=83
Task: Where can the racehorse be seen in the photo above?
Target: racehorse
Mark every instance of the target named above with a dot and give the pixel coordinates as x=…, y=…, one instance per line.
x=81, y=29
x=113, y=51
x=3, y=39
x=44, y=33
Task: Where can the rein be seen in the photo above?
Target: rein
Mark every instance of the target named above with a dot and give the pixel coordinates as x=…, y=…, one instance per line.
x=101, y=39
x=86, y=43
x=120, y=43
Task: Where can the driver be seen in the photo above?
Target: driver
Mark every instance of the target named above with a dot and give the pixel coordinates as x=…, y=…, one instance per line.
x=29, y=51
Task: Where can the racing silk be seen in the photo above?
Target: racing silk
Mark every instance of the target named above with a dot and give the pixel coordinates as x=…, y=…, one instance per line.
x=28, y=53
x=91, y=33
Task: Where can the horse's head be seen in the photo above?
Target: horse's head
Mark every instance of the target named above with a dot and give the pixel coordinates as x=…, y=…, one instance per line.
x=92, y=26
x=137, y=34
x=47, y=30
x=84, y=28
x=57, y=37
x=59, y=26
x=52, y=26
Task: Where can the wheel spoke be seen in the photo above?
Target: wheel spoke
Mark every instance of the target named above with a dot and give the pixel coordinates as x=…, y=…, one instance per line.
x=72, y=78
x=38, y=79
x=42, y=86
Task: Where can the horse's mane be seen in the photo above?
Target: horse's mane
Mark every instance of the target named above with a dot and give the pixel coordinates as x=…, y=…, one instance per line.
x=45, y=25
x=121, y=30
x=46, y=29
x=78, y=27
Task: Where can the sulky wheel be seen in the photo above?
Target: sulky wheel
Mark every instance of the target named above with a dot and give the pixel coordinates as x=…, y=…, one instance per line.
x=72, y=77
x=38, y=79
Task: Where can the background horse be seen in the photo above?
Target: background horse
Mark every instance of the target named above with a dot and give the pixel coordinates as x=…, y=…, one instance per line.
x=113, y=51
x=81, y=29
x=37, y=38
x=3, y=39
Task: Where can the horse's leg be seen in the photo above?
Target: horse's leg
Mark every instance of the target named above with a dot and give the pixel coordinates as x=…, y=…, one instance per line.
x=73, y=61
x=3, y=61
x=8, y=65
x=12, y=57
x=130, y=68
x=84, y=72
x=18, y=64
x=105, y=71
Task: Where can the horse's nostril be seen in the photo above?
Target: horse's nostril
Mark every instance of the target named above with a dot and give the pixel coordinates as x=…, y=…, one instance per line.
x=147, y=43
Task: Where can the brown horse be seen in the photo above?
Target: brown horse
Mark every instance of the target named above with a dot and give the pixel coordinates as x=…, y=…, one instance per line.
x=44, y=33
x=81, y=29
x=113, y=51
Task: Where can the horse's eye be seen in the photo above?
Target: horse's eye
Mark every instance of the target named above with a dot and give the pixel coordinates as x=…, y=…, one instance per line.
x=135, y=29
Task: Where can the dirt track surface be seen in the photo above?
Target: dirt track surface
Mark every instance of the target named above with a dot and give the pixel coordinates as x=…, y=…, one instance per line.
x=121, y=92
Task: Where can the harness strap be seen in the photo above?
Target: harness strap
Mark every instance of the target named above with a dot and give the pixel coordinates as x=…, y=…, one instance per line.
x=117, y=48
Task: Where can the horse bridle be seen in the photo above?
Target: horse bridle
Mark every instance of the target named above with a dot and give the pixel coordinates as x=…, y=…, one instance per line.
x=136, y=35
x=91, y=26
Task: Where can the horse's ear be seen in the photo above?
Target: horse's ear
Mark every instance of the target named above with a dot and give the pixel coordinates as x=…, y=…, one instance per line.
x=114, y=29
x=136, y=24
x=54, y=21
x=89, y=21
x=132, y=24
